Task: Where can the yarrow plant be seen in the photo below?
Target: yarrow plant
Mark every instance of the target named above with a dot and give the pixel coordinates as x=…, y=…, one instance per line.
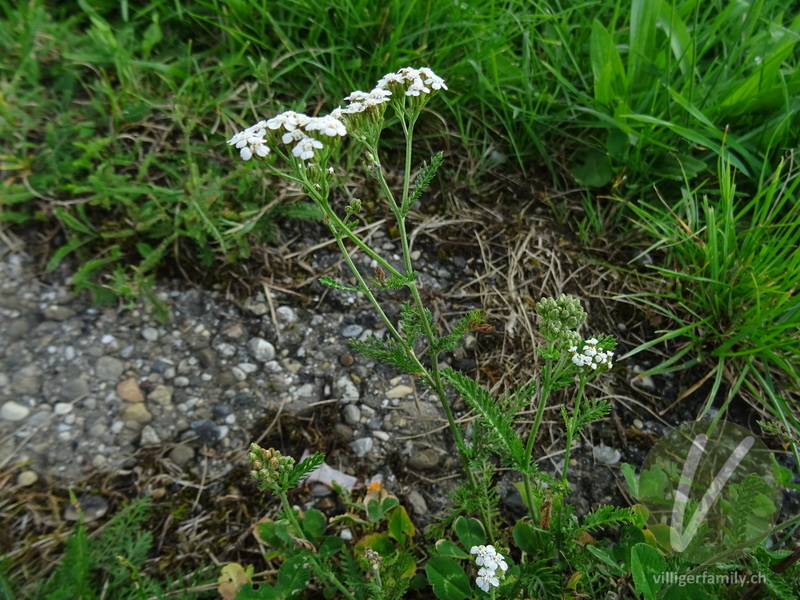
x=306, y=146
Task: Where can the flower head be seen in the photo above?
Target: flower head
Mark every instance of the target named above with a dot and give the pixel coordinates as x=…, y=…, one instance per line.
x=305, y=148
x=268, y=465
x=560, y=317
x=490, y=562
x=590, y=356
x=251, y=141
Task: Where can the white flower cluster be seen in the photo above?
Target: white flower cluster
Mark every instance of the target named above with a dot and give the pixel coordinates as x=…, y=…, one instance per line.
x=296, y=127
x=307, y=133
x=590, y=356
x=490, y=561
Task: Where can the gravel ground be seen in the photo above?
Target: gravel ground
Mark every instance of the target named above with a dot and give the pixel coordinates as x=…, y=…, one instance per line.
x=86, y=388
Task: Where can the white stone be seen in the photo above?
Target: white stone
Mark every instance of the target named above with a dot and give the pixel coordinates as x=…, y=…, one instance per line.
x=11, y=411
x=62, y=408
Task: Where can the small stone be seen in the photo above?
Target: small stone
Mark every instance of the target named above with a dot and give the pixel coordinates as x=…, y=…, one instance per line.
x=181, y=381
x=129, y=390
x=97, y=430
x=346, y=360
x=261, y=349
x=162, y=395
x=348, y=390
x=62, y=408
x=138, y=413
x=415, y=254
x=243, y=398
x=286, y=314
x=27, y=380
x=381, y=435
x=69, y=353
x=352, y=330
x=74, y=389
x=307, y=390
x=417, y=502
x=59, y=313
x=207, y=358
x=150, y=334
x=11, y=411
x=239, y=374
x=399, y=391
x=607, y=455
x=248, y=368
x=225, y=349
x=92, y=507
x=181, y=455
x=207, y=431
x=149, y=437
x=234, y=331
x=351, y=414
x=107, y=339
x=638, y=424
x=343, y=432
x=258, y=309
x=424, y=460
x=27, y=478
x=109, y=368
x=362, y=446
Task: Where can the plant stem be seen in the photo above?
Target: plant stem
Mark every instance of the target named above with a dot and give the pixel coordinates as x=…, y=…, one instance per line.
x=298, y=532
x=571, y=429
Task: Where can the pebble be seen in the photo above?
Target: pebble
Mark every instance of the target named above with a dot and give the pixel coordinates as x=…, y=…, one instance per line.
x=286, y=314
x=59, y=313
x=181, y=455
x=149, y=437
x=138, y=413
x=27, y=380
x=417, y=502
x=424, y=460
x=607, y=455
x=207, y=431
x=638, y=424
x=237, y=373
x=381, y=435
x=109, y=368
x=27, y=478
x=130, y=391
x=399, y=391
x=362, y=446
x=261, y=349
x=225, y=349
x=62, y=408
x=92, y=507
x=12, y=411
x=351, y=331
x=75, y=388
x=150, y=334
x=348, y=389
x=162, y=394
x=351, y=414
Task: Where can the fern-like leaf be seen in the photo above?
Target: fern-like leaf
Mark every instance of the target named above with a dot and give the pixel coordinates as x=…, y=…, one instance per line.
x=607, y=515
x=388, y=352
x=423, y=180
x=498, y=424
x=325, y=280
x=453, y=339
x=303, y=469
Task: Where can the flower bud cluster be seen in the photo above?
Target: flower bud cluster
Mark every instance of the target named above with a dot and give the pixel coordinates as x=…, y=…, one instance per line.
x=268, y=464
x=560, y=317
x=490, y=561
x=590, y=356
x=307, y=135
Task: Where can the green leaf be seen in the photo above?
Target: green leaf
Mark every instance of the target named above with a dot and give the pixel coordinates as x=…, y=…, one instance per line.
x=330, y=547
x=73, y=223
x=325, y=280
x=470, y=532
x=64, y=250
x=609, y=75
x=400, y=525
x=304, y=469
x=423, y=180
x=646, y=562
x=592, y=168
x=448, y=548
x=448, y=578
x=526, y=538
x=293, y=576
x=314, y=524
x=264, y=592
x=629, y=472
